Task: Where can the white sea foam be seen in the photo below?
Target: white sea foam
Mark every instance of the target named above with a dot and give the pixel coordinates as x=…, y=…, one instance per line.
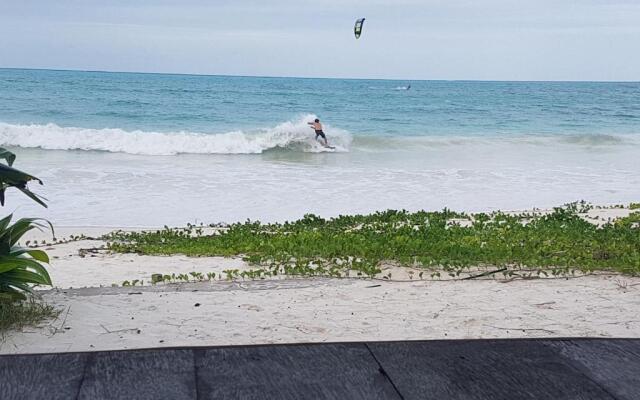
x=293, y=135
x=441, y=142
x=463, y=173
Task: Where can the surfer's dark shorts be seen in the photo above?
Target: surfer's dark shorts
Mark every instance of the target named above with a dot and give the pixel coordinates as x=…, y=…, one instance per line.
x=320, y=133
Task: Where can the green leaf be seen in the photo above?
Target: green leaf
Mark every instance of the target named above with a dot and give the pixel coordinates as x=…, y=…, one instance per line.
x=6, y=266
x=19, y=275
x=39, y=255
x=15, y=232
x=19, y=267
x=8, y=156
x=22, y=286
x=39, y=269
x=4, y=222
x=14, y=293
x=15, y=177
x=19, y=261
x=11, y=177
x=38, y=199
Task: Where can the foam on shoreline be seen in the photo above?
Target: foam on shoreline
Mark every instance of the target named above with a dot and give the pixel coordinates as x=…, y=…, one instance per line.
x=294, y=135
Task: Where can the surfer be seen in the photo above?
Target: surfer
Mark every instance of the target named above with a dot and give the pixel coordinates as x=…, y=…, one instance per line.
x=317, y=126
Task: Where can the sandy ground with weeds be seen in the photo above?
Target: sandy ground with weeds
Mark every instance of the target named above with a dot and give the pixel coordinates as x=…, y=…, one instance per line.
x=96, y=316
x=319, y=310
x=85, y=263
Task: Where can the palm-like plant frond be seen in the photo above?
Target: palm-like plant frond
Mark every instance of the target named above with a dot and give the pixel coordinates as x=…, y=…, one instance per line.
x=12, y=177
x=20, y=267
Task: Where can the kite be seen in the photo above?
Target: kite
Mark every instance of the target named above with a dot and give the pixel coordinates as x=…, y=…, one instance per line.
x=357, y=29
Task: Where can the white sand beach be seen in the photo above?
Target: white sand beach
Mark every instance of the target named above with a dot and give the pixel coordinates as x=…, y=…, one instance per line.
x=332, y=310
x=96, y=316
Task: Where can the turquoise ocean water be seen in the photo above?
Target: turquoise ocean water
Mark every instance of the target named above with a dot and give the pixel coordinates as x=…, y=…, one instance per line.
x=149, y=149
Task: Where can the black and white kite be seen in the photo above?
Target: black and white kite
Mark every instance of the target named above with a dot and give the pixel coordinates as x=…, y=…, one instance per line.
x=357, y=29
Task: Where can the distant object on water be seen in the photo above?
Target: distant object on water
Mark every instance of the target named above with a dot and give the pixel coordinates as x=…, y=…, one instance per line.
x=357, y=29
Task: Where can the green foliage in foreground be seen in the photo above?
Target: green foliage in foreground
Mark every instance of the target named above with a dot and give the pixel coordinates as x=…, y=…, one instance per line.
x=20, y=267
x=17, y=315
x=559, y=243
x=11, y=177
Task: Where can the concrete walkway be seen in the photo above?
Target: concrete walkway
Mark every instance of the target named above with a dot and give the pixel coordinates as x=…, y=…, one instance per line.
x=461, y=369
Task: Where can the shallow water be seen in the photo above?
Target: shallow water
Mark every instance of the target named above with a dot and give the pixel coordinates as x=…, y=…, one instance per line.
x=150, y=149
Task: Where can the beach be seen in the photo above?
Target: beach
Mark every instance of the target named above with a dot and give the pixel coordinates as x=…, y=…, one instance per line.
x=141, y=154
x=354, y=200
x=98, y=313
x=322, y=310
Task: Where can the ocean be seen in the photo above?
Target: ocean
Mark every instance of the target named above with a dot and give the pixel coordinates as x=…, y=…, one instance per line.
x=129, y=149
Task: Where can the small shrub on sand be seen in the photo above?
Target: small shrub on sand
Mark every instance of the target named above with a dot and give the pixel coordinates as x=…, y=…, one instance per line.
x=15, y=315
x=558, y=243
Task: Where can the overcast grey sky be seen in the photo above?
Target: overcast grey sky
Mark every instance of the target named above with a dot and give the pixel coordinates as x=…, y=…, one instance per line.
x=405, y=39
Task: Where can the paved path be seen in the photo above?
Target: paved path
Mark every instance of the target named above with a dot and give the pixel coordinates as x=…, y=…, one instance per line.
x=461, y=369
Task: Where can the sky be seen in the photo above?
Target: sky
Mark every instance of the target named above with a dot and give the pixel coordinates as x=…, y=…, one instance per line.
x=402, y=39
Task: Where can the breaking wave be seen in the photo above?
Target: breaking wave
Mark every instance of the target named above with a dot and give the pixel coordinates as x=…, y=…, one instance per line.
x=291, y=135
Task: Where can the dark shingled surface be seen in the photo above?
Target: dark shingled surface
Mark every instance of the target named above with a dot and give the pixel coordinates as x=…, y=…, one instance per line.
x=330, y=371
x=48, y=376
x=484, y=370
x=457, y=369
x=613, y=364
x=167, y=374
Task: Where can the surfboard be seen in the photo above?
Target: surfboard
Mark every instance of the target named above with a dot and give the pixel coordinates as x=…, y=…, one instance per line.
x=325, y=145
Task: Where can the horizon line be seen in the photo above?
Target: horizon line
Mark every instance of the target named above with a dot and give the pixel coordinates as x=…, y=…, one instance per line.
x=314, y=77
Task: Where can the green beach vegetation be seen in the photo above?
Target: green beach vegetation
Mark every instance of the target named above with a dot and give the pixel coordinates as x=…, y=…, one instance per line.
x=20, y=267
x=19, y=314
x=434, y=244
